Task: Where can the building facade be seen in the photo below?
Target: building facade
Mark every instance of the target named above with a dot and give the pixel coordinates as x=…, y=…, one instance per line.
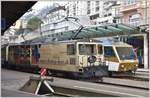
x=100, y=11
x=136, y=13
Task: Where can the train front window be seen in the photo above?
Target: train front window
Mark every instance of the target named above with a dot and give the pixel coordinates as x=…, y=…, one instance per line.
x=108, y=51
x=126, y=53
x=87, y=49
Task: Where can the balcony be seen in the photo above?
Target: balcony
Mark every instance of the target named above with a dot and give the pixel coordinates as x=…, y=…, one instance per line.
x=131, y=7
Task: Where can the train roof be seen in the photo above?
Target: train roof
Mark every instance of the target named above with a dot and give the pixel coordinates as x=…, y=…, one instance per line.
x=102, y=41
x=110, y=42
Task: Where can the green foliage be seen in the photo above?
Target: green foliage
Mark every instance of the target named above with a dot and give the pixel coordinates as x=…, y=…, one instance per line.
x=34, y=23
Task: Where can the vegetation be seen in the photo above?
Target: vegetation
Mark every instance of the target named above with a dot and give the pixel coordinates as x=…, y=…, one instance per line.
x=34, y=23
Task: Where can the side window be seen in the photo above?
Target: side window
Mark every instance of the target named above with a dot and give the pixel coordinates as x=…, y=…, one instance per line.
x=100, y=49
x=70, y=49
x=81, y=49
x=109, y=52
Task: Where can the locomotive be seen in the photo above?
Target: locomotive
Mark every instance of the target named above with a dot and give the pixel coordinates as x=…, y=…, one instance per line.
x=78, y=58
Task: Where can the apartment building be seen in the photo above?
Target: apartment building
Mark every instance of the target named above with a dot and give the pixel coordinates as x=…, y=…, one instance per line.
x=76, y=8
x=99, y=11
x=136, y=13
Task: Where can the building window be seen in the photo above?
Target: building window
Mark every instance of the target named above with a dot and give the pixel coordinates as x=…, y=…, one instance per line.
x=97, y=9
x=109, y=14
x=114, y=21
x=66, y=28
x=94, y=16
x=105, y=15
x=134, y=20
x=74, y=13
x=74, y=10
x=89, y=11
x=97, y=3
x=88, y=3
x=88, y=7
x=129, y=2
x=67, y=10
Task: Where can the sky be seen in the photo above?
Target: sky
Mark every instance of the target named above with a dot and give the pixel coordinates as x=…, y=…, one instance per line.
x=42, y=4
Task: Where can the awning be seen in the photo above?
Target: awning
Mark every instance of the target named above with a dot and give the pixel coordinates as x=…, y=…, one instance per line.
x=93, y=31
x=99, y=31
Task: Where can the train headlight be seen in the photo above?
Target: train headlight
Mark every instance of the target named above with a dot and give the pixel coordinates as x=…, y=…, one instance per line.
x=136, y=65
x=122, y=66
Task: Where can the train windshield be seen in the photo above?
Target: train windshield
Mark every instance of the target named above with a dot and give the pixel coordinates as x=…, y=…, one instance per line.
x=87, y=49
x=108, y=51
x=126, y=53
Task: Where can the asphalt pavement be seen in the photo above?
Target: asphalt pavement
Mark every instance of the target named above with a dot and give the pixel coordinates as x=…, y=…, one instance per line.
x=13, y=80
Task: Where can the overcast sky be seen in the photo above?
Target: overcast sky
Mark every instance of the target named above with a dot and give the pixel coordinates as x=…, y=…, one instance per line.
x=42, y=4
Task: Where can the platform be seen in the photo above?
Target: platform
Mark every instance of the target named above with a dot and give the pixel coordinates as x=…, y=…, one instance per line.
x=12, y=80
x=143, y=70
x=16, y=93
x=127, y=82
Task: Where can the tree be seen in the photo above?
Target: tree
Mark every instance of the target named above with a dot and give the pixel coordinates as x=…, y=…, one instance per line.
x=34, y=23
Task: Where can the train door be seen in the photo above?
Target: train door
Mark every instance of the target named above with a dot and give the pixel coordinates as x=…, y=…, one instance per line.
x=111, y=58
x=34, y=54
x=100, y=51
x=87, y=54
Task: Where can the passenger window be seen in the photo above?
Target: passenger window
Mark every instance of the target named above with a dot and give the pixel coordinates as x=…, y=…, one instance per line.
x=100, y=49
x=71, y=49
x=109, y=52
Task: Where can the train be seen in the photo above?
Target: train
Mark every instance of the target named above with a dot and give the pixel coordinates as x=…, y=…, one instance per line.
x=77, y=58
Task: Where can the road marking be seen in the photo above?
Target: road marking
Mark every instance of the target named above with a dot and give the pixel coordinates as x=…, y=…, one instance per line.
x=107, y=91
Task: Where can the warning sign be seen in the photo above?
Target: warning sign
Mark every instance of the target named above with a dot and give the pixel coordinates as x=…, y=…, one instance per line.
x=43, y=72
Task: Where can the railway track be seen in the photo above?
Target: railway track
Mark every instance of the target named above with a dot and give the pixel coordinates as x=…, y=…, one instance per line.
x=120, y=85
x=95, y=80
x=132, y=78
x=129, y=77
x=143, y=88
